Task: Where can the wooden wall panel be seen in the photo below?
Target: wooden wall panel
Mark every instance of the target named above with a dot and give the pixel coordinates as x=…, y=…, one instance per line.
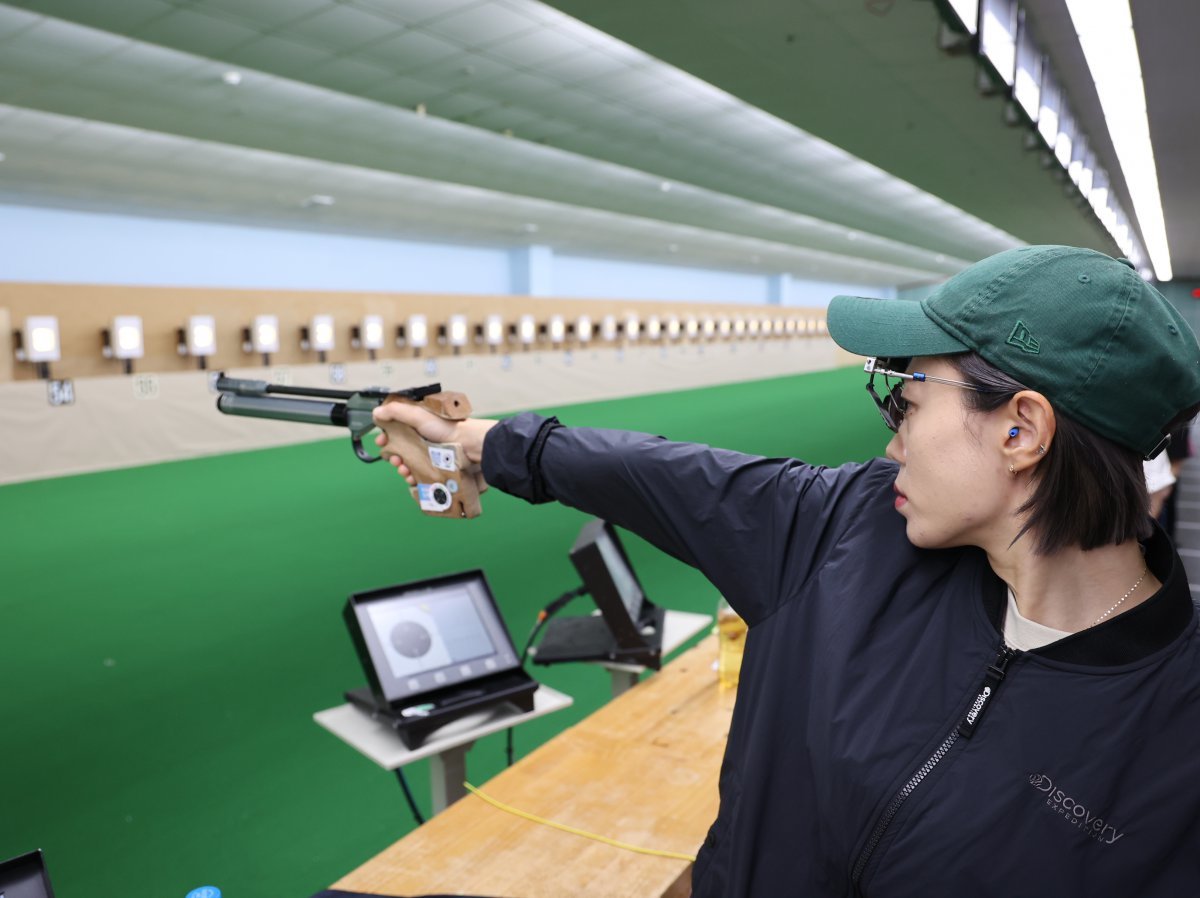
x=83, y=311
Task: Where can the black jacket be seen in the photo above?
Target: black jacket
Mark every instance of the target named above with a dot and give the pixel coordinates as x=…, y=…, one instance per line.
x=885, y=742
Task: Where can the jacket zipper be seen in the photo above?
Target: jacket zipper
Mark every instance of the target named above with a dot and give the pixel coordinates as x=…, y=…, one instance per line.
x=966, y=728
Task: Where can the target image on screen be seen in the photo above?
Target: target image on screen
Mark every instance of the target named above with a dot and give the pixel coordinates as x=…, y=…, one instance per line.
x=427, y=636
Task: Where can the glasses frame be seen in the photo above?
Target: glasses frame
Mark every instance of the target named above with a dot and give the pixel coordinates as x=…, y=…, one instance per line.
x=893, y=405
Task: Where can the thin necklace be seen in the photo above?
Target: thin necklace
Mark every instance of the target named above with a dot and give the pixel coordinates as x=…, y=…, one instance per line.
x=1124, y=597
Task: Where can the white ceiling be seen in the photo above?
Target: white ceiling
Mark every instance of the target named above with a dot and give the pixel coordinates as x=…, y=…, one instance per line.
x=121, y=105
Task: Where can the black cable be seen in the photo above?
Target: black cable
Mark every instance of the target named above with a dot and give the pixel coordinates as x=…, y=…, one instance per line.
x=544, y=615
x=412, y=802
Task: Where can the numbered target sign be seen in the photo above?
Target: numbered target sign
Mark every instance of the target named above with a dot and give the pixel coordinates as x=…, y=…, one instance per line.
x=145, y=386
x=60, y=392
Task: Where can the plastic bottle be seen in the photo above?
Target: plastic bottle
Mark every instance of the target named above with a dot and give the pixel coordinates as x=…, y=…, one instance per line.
x=731, y=640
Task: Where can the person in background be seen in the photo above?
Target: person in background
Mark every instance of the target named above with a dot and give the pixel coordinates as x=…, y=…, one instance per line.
x=1160, y=483
x=1180, y=450
x=973, y=666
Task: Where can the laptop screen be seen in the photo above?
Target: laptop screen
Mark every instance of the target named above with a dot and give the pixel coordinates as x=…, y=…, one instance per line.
x=430, y=635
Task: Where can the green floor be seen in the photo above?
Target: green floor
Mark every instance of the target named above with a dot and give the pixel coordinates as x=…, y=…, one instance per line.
x=168, y=632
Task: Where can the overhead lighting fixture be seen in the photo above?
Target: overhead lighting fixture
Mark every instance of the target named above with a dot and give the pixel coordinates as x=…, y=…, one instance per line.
x=1105, y=29
x=998, y=37
x=1063, y=144
x=967, y=12
x=1049, y=103
x=1027, y=85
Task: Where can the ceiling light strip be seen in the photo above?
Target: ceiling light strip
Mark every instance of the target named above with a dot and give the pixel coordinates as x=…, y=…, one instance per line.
x=1105, y=29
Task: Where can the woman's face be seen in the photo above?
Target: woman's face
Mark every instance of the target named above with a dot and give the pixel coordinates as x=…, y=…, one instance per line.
x=953, y=488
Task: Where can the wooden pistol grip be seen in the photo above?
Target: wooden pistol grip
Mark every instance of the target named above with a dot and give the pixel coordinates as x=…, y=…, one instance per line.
x=449, y=405
x=447, y=486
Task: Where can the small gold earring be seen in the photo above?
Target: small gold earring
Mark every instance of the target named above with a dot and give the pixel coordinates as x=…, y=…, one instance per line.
x=1012, y=470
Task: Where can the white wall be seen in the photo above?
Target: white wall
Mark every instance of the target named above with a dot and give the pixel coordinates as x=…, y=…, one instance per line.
x=43, y=245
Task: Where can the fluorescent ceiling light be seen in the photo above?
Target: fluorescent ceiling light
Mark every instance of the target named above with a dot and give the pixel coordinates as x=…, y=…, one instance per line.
x=998, y=36
x=968, y=14
x=1027, y=85
x=1050, y=101
x=127, y=340
x=1105, y=29
x=201, y=335
x=1063, y=142
x=40, y=339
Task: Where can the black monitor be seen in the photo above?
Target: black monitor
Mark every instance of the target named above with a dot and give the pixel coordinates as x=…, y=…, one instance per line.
x=434, y=647
x=25, y=877
x=629, y=627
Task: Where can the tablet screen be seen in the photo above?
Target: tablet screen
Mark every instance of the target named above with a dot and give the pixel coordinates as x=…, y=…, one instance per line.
x=430, y=635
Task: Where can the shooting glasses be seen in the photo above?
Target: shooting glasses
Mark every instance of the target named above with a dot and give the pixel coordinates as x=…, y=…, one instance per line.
x=893, y=405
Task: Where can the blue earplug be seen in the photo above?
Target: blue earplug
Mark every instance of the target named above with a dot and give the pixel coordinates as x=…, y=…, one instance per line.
x=1014, y=431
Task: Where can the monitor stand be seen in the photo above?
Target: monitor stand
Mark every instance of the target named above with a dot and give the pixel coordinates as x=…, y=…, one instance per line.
x=415, y=721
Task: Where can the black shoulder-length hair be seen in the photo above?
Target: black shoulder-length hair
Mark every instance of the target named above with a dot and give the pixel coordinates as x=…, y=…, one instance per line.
x=1088, y=491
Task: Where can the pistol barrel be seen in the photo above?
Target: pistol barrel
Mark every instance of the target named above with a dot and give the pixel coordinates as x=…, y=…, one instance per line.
x=281, y=409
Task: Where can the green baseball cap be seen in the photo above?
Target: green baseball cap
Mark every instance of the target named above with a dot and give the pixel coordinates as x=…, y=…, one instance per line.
x=1082, y=328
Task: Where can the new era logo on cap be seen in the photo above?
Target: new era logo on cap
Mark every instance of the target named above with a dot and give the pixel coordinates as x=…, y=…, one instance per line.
x=1023, y=339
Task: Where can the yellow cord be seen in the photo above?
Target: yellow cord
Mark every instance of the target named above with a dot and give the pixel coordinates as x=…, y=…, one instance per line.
x=578, y=832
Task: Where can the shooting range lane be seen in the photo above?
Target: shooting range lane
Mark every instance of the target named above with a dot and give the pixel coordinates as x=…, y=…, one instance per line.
x=171, y=629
